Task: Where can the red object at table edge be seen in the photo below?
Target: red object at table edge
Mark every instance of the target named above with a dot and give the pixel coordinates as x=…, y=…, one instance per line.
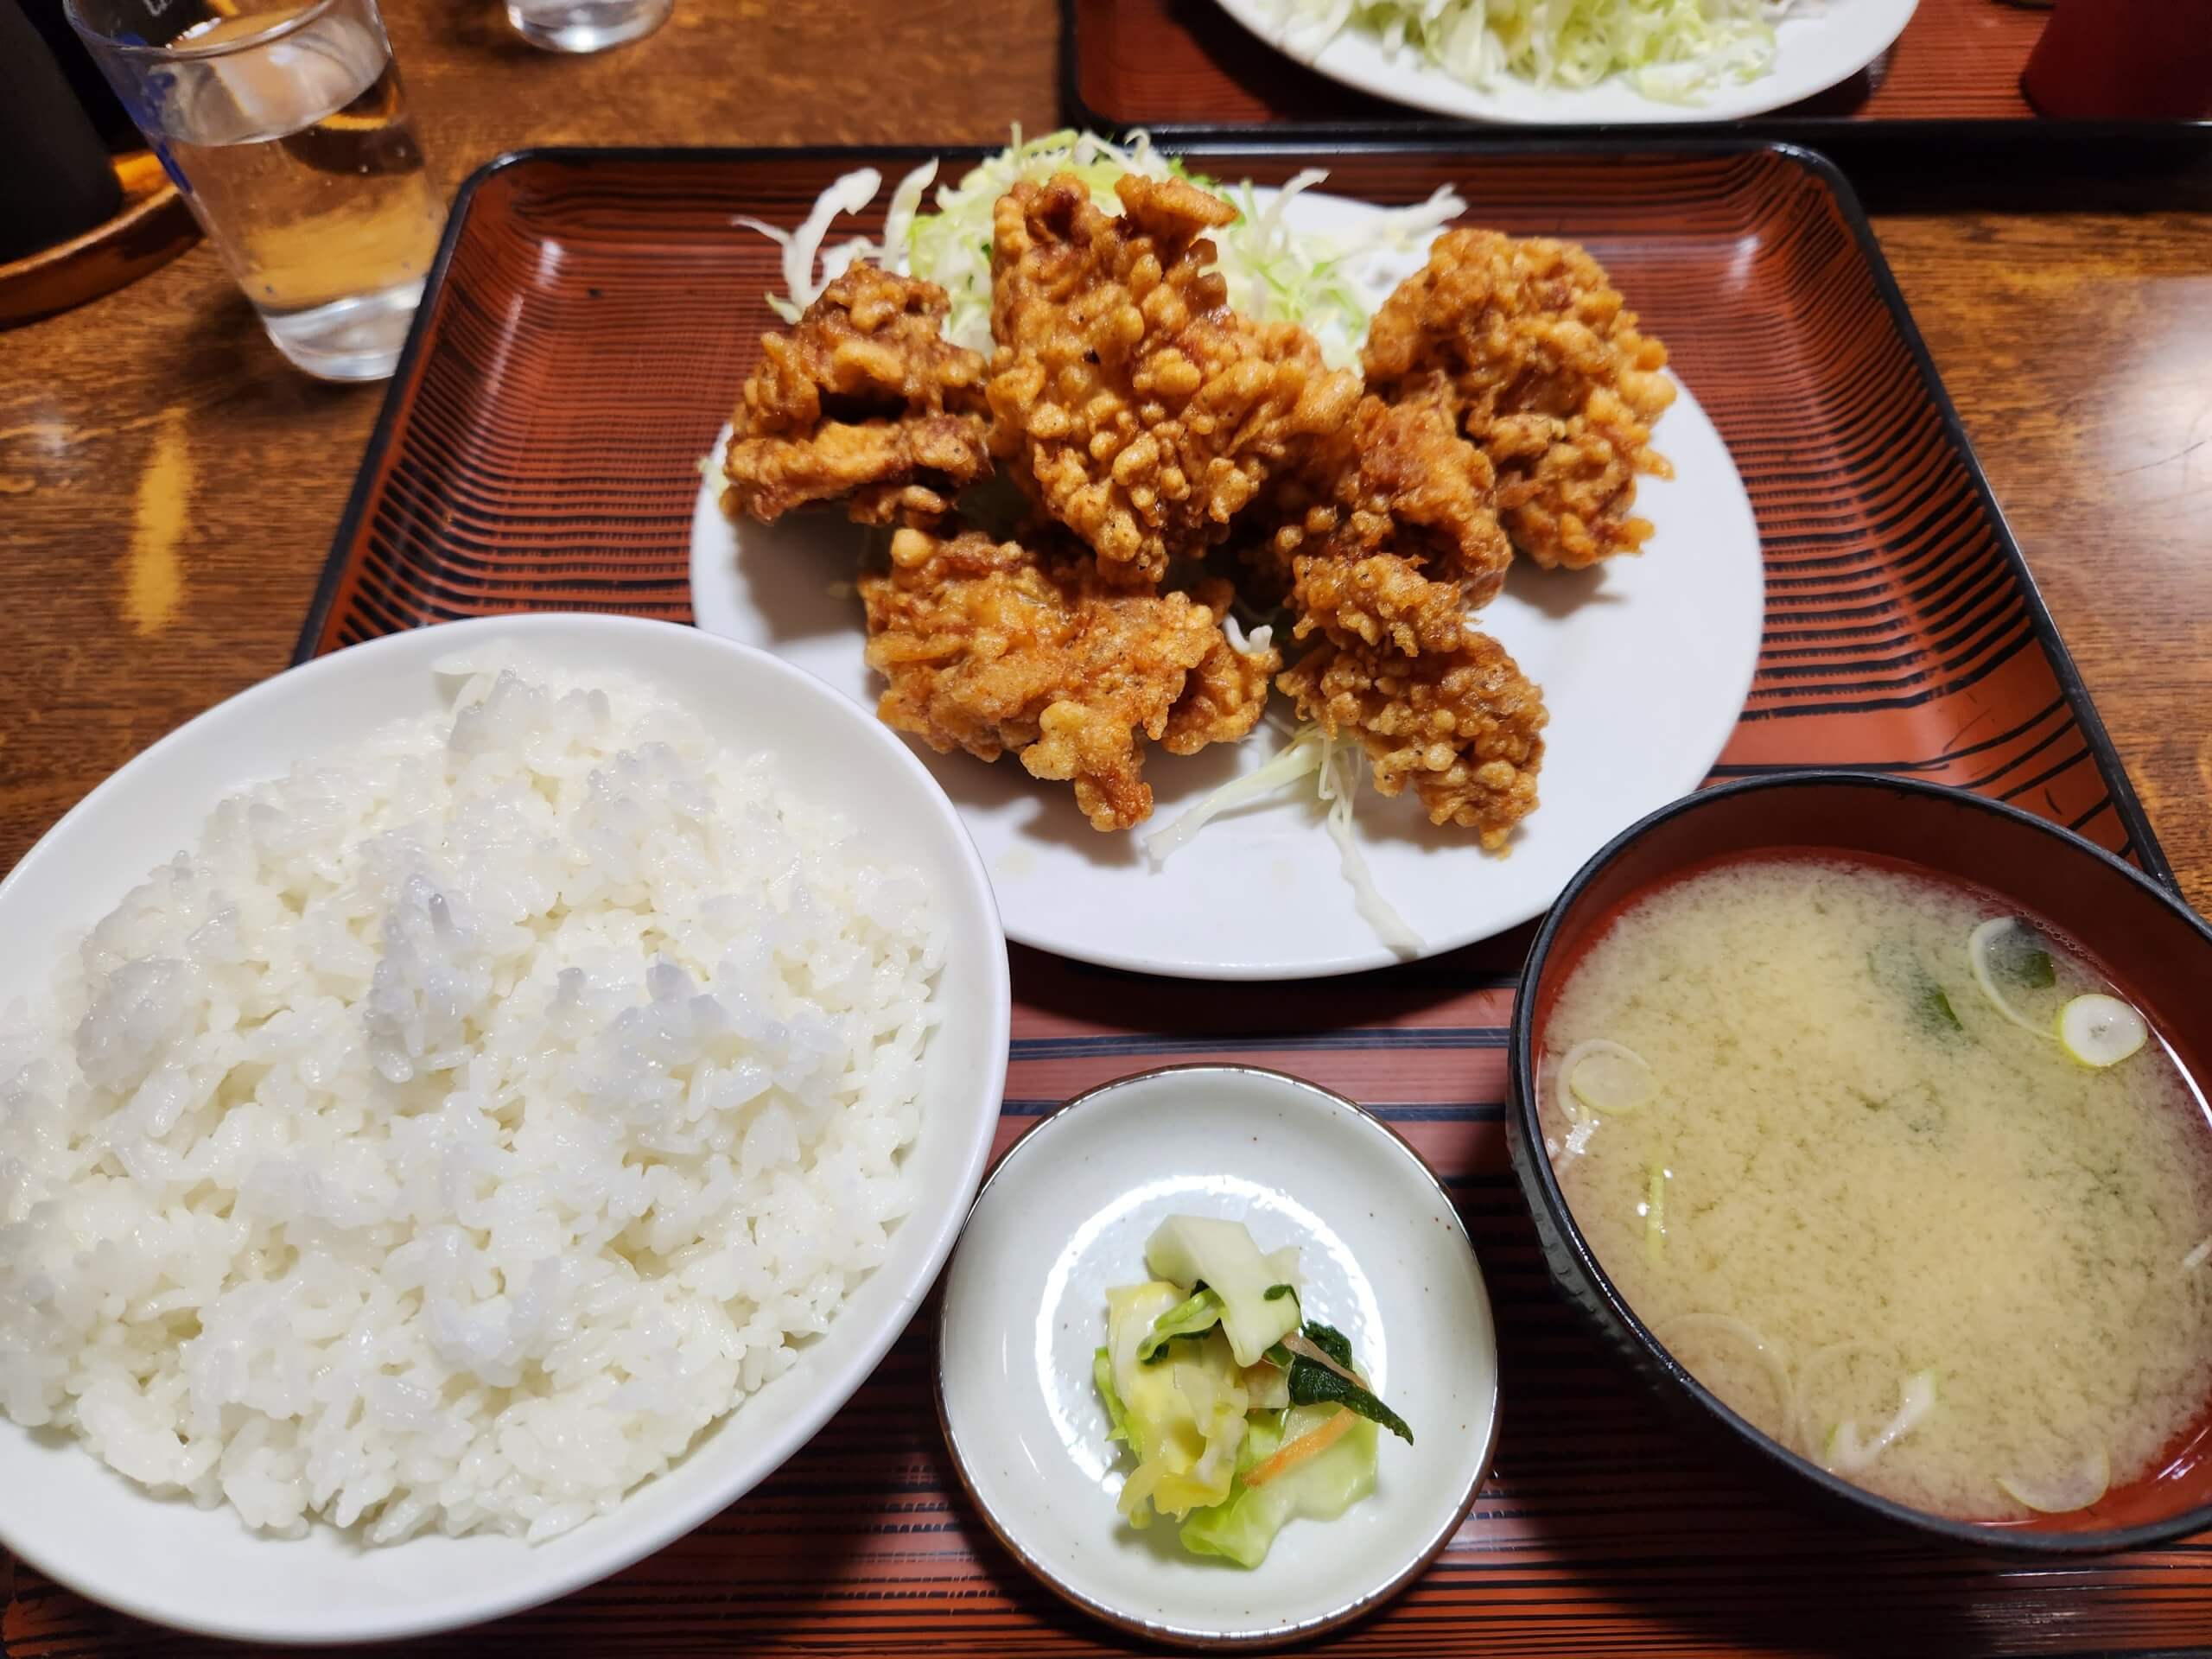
x=2123, y=58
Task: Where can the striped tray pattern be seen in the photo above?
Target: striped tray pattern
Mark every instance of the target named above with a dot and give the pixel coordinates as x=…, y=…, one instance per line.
x=1188, y=63
x=592, y=318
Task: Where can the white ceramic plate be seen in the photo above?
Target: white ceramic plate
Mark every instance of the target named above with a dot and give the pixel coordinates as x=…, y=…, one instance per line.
x=1383, y=1258
x=1645, y=664
x=1827, y=43
x=78, y=1522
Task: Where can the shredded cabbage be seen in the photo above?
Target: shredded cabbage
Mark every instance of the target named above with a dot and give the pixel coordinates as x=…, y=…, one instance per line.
x=1297, y=759
x=1335, y=763
x=1673, y=51
x=1772, y=1354
x=849, y=193
x=1342, y=764
x=1272, y=270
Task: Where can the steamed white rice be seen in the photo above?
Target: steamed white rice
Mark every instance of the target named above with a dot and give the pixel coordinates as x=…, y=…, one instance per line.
x=463, y=1125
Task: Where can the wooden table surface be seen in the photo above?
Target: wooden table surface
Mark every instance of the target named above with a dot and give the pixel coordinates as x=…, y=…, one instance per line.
x=168, y=485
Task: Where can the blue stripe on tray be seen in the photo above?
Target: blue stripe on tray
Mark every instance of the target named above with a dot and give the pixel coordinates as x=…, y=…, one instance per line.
x=1139, y=1042
x=1475, y=1111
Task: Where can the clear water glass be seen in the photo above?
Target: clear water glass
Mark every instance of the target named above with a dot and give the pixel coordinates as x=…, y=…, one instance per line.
x=586, y=25
x=285, y=127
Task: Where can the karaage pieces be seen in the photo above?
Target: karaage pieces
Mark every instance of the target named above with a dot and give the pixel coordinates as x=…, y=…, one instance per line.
x=1508, y=402
x=1128, y=399
x=1381, y=601
x=1547, y=374
x=1397, y=479
x=865, y=401
x=1227, y=691
x=989, y=647
x=1464, y=727
x=1432, y=702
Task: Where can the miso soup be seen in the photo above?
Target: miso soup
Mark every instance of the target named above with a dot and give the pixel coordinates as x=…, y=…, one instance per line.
x=1895, y=1175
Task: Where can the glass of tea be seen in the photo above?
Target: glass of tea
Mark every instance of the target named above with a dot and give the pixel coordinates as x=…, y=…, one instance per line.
x=284, y=127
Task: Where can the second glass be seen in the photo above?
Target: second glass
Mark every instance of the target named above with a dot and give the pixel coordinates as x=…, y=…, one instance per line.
x=586, y=25
x=286, y=130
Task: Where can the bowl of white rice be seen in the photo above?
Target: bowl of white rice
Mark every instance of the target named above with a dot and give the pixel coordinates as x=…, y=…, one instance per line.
x=470, y=1109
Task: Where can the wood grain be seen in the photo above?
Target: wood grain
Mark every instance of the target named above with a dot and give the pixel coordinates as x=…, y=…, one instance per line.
x=2078, y=349
x=168, y=488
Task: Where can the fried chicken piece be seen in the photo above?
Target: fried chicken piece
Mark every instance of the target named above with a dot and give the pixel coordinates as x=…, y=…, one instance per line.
x=1430, y=700
x=1128, y=399
x=1398, y=479
x=989, y=647
x=866, y=400
x=1547, y=374
x=1227, y=691
x=1381, y=601
x=1565, y=485
x=1464, y=727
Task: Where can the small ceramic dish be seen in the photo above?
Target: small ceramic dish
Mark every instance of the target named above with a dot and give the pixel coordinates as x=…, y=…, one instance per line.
x=2150, y=945
x=1384, y=1257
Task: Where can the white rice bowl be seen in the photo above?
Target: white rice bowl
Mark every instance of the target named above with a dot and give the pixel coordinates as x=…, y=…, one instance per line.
x=435, y=1155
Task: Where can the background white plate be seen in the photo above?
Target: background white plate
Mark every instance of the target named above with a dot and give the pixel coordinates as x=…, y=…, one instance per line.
x=1645, y=664
x=1813, y=52
x=80, y=1522
x=1383, y=1258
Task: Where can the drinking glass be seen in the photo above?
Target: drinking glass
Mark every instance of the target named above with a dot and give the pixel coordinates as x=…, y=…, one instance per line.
x=585, y=25
x=285, y=129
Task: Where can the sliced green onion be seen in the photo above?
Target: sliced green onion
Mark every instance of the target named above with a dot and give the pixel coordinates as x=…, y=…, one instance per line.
x=2095, y=1029
x=1979, y=946
x=1655, y=1212
x=1608, y=1077
x=2100, y=1030
x=2075, y=1490
x=1815, y=1362
x=1772, y=1353
x=1847, y=1455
